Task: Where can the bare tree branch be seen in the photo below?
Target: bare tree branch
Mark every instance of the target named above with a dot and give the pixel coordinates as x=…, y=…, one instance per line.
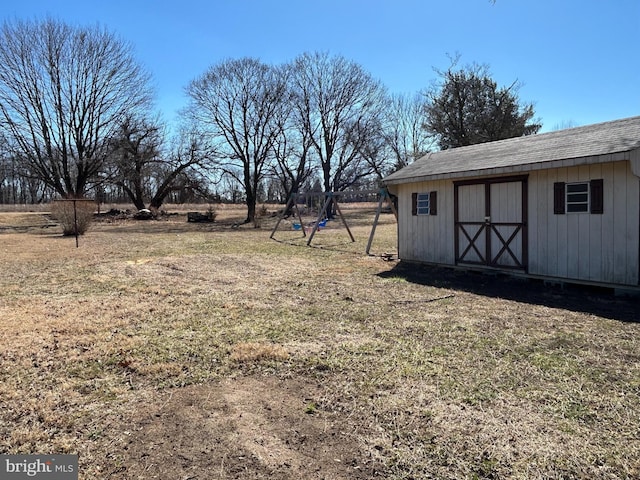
x=339, y=107
x=63, y=92
x=238, y=103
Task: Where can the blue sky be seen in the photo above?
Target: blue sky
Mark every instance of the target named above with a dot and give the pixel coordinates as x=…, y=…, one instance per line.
x=578, y=60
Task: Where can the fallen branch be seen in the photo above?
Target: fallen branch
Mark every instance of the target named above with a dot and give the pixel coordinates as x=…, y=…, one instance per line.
x=428, y=300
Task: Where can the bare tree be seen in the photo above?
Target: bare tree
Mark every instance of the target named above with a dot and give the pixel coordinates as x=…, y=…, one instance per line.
x=181, y=171
x=17, y=183
x=293, y=154
x=230, y=188
x=405, y=134
x=238, y=102
x=7, y=173
x=136, y=148
x=63, y=92
x=148, y=171
x=339, y=106
x=564, y=125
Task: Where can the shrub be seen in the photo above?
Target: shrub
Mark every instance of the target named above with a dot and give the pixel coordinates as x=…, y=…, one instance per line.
x=63, y=212
x=212, y=214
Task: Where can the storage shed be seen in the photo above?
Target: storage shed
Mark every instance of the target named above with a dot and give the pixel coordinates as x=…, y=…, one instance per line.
x=563, y=205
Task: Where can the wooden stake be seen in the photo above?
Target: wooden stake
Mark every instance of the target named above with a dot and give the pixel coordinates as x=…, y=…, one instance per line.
x=384, y=195
x=320, y=216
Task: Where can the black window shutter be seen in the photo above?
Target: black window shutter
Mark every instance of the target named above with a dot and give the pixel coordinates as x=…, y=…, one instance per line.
x=433, y=203
x=414, y=204
x=597, y=194
x=558, y=198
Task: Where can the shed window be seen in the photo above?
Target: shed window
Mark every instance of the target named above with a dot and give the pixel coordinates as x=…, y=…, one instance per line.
x=578, y=197
x=424, y=203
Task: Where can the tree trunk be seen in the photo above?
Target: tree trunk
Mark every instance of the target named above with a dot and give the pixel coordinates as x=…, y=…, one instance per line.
x=328, y=189
x=292, y=193
x=251, y=208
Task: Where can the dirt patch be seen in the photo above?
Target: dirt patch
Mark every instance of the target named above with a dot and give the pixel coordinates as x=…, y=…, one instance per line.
x=243, y=428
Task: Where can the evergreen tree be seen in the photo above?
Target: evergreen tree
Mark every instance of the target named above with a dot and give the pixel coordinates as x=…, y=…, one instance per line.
x=468, y=107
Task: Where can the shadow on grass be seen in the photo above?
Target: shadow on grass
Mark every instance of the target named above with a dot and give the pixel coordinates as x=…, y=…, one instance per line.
x=579, y=298
x=131, y=225
x=163, y=227
x=337, y=247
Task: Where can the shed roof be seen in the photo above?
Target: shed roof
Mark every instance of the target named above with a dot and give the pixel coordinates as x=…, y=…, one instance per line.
x=572, y=146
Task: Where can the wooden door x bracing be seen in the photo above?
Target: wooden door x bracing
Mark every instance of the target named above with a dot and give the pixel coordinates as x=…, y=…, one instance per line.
x=491, y=222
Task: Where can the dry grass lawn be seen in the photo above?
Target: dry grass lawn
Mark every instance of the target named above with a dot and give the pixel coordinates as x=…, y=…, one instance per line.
x=163, y=349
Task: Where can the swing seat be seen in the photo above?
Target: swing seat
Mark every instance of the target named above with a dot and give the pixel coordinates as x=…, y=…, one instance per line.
x=297, y=226
x=323, y=223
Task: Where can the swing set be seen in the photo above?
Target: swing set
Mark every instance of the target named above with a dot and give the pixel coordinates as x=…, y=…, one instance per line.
x=332, y=198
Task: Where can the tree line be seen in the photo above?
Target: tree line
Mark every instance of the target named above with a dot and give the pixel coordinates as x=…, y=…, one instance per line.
x=76, y=120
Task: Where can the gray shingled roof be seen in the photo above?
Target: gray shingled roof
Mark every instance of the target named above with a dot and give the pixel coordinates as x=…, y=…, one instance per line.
x=545, y=150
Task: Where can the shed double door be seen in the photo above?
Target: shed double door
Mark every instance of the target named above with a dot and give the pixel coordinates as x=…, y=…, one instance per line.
x=491, y=222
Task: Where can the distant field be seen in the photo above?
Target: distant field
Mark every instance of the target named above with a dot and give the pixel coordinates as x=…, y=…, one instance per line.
x=166, y=349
